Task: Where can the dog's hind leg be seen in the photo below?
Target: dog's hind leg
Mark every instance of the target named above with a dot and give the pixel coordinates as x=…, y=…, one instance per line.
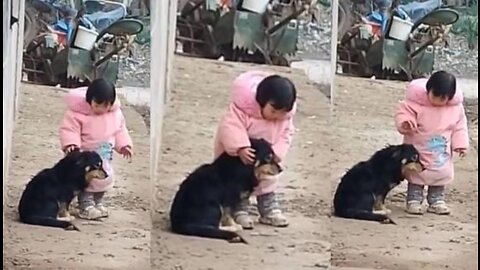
x=49, y=222
x=365, y=215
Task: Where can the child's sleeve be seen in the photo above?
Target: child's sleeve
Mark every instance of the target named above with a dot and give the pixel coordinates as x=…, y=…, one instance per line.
x=281, y=146
x=122, y=137
x=70, y=130
x=404, y=112
x=460, y=138
x=232, y=131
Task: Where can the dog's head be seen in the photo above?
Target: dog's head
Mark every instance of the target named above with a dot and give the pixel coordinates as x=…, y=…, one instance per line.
x=408, y=158
x=265, y=165
x=88, y=164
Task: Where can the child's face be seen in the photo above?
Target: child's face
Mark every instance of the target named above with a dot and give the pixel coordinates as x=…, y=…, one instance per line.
x=271, y=114
x=100, y=108
x=437, y=101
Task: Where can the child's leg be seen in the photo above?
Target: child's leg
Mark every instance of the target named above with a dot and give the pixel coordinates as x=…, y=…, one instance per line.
x=414, y=199
x=98, y=198
x=241, y=215
x=436, y=200
x=270, y=212
x=87, y=206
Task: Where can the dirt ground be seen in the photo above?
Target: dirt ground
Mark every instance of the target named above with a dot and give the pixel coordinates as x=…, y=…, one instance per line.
x=198, y=100
x=120, y=242
x=363, y=120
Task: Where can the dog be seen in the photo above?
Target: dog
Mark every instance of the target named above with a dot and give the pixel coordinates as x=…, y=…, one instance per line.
x=47, y=197
x=362, y=190
x=202, y=206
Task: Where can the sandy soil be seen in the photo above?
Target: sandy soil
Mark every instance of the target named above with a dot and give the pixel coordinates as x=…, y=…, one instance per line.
x=120, y=242
x=197, y=102
x=363, y=119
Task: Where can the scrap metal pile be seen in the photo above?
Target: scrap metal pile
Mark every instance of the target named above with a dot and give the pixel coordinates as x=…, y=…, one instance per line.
x=392, y=41
x=258, y=31
x=70, y=47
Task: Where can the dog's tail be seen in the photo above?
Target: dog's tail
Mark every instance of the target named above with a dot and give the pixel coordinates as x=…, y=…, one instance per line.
x=47, y=221
x=206, y=231
x=364, y=215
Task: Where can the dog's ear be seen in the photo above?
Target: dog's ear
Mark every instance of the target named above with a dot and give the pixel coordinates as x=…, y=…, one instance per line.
x=397, y=152
x=82, y=159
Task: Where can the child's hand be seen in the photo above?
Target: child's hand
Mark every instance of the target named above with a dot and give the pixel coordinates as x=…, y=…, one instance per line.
x=247, y=155
x=409, y=126
x=462, y=152
x=70, y=148
x=126, y=152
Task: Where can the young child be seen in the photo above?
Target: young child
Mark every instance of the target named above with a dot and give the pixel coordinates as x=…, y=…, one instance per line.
x=94, y=121
x=262, y=105
x=432, y=118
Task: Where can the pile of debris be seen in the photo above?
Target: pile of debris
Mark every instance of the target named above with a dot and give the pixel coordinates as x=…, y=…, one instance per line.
x=314, y=39
x=458, y=58
x=135, y=70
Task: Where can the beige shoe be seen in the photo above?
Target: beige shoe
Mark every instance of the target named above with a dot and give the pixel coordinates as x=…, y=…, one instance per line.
x=274, y=218
x=439, y=208
x=243, y=219
x=90, y=213
x=414, y=208
x=102, y=209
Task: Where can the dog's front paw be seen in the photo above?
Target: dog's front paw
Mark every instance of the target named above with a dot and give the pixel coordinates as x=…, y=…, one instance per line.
x=67, y=218
x=238, y=227
x=387, y=211
x=380, y=212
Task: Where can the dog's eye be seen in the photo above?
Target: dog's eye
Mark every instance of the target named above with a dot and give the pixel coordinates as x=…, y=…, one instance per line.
x=415, y=158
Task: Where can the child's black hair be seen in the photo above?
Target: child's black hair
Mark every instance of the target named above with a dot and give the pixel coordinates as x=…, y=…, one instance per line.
x=442, y=84
x=101, y=91
x=279, y=91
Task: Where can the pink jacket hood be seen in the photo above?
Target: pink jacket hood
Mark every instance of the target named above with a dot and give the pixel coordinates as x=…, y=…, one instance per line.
x=244, y=89
x=417, y=93
x=75, y=100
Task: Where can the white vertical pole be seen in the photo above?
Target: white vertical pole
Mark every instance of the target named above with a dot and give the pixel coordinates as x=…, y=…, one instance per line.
x=19, y=50
x=161, y=26
x=171, y=45
x=12, y=72
x=333, y=50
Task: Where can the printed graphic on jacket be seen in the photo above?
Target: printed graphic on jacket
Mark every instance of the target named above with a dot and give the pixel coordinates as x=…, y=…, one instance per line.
x=437, y=145
x=105, y=150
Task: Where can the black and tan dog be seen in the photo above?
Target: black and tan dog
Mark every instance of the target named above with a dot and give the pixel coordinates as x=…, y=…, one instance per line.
x=202, y=205
x=47, y=196
x=362, y=190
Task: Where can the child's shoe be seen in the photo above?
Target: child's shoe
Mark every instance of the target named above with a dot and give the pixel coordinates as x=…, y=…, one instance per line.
x=414, y=208
x=103, y=210
x=90, y=212
x=274, y=218
x=243, y=219
x=439, y=208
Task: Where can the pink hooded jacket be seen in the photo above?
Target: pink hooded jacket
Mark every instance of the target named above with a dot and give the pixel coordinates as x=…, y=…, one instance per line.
x=440, y=131
x=243, y=120
x=102, y=133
